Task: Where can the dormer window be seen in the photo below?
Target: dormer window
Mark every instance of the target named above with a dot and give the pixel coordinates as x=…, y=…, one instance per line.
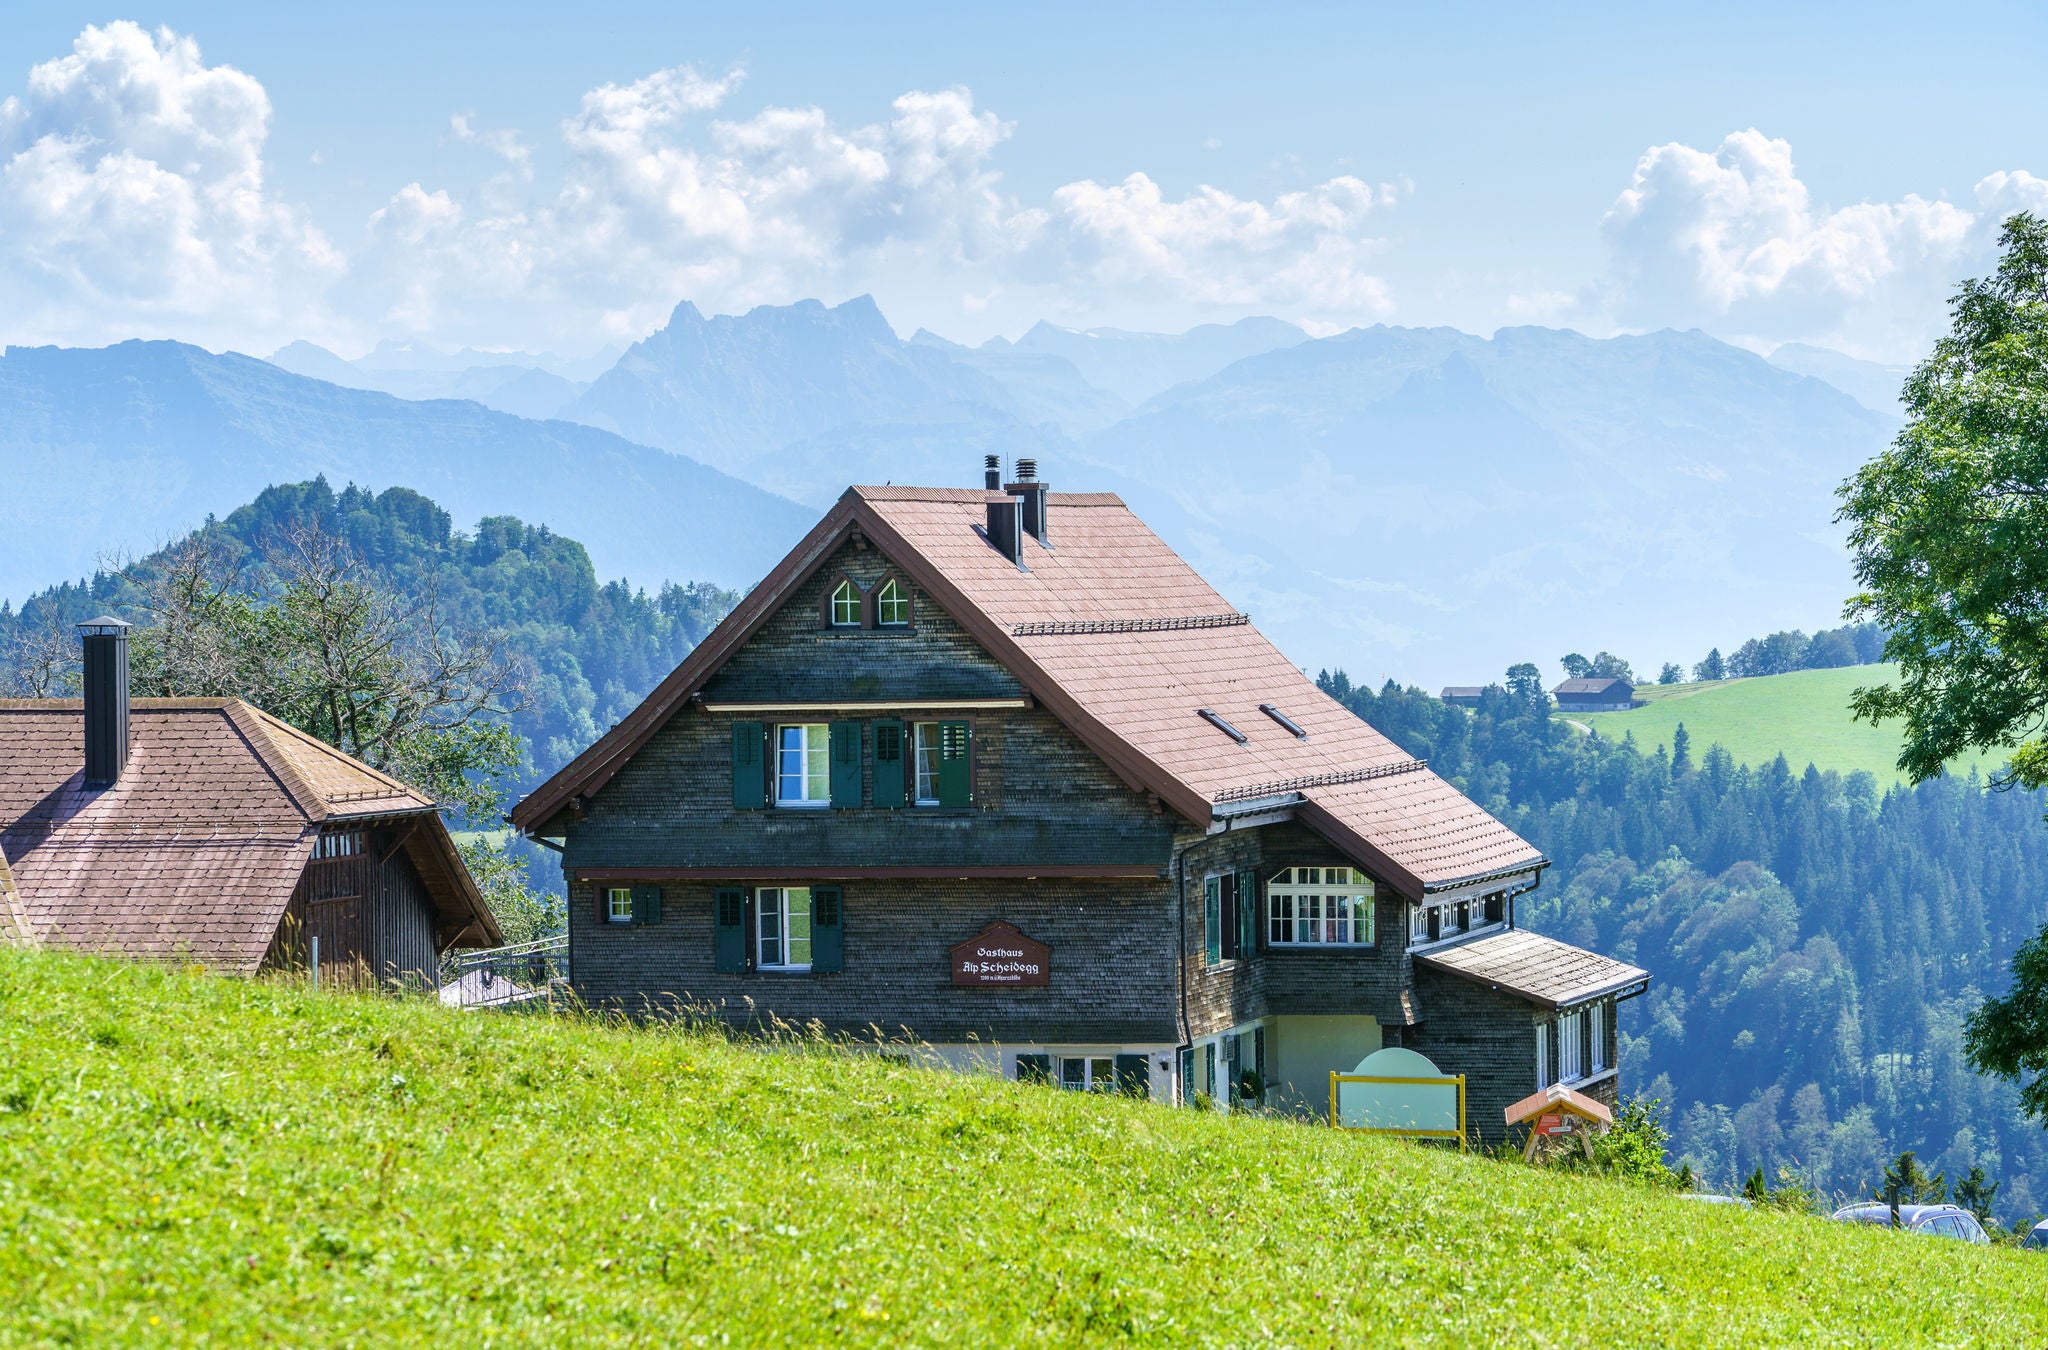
x=892, y=605
x=845, y=605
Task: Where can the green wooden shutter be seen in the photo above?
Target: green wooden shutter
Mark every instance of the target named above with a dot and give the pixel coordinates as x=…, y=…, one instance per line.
x=749, y=773
x=1259, y=1064
x=845, y=765
x=889, y=766
x=956, y=764
x=1212, y=920
x=1034, y=1068
x=1229, y=917
x=729, y=945
x=828, y=942
x=1247, y=912
x=647, y=904
x=1133, y=1075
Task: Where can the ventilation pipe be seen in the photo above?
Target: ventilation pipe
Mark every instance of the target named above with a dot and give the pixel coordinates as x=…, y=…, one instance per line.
x=106, y=700
x=1030, y=494
x=992, y=473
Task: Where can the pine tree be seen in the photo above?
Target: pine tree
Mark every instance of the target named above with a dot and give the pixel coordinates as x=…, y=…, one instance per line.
x=1916, y=1185
x=1681, y=751
x=1713, y=668
x=1975, y=1193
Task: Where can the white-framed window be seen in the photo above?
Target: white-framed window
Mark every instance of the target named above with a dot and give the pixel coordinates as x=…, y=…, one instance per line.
x=892, y=604
x=1571, y=1057
x=1090, y=1073
x=1596, y=1031
x=926, y=747
x=803, y=764
x=845, y=605
x=618, y=904
x=782, y=924
x=344, y=845
x=1320, y=907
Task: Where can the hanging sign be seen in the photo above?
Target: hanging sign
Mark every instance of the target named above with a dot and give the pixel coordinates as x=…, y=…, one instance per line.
x=1001, y=957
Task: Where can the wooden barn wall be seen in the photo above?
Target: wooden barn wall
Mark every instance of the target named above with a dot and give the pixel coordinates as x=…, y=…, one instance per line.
x=405, y=925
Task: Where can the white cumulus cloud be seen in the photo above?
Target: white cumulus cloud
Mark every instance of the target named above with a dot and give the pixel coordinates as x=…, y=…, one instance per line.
x=1732, y=238
x=132, y=184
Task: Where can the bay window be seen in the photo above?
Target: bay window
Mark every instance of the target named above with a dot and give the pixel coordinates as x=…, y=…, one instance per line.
x=1320, y=907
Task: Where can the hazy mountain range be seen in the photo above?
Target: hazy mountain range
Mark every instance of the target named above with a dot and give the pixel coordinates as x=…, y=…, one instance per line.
x=1414, y=502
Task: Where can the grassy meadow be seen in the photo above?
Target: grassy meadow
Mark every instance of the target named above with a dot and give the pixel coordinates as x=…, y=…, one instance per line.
x=1803, y=714
x=186, y=1159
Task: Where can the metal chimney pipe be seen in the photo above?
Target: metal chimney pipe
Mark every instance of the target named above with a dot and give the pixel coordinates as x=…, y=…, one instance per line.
x=106, y=700
x=992, y=473
x=1031, y=494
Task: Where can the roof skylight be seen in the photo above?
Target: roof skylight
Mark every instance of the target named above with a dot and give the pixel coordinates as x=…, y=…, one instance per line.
x=1214, y=719
x=1284, y=720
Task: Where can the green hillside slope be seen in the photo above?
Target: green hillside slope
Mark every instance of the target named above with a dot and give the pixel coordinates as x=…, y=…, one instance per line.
x=189, y=1159
x=1803, y=714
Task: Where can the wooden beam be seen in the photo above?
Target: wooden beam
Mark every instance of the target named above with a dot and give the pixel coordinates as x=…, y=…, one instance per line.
x=868, y=705
x=770, y=872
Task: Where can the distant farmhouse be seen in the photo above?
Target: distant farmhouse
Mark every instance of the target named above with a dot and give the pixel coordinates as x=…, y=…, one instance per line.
x=1595, y=695
x=1463, y=695
x=995, y=772
x=202, y=829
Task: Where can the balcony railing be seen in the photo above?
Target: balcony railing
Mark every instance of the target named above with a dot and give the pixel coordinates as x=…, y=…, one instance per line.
x=507, y=977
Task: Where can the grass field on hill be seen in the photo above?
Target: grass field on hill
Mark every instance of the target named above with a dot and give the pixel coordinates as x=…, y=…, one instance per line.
x=1803, y=714
x=189, y=1159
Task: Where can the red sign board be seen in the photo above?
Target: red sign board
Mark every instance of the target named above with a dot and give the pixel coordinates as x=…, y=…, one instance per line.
x=1554, y=1123
x=1000, y=957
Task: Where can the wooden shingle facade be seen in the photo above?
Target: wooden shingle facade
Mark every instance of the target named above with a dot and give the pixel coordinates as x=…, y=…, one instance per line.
x=995, y=773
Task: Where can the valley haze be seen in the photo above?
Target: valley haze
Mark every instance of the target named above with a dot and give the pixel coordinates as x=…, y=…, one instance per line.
x=1415, y=503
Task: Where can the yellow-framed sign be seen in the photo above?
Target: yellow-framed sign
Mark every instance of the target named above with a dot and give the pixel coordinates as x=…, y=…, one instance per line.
x=1399, y=1092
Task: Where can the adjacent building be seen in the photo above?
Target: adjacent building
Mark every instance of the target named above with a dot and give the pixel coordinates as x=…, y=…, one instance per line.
x=207, y=830
x=1463, y=695
x=1595, y=694
x=995, y=773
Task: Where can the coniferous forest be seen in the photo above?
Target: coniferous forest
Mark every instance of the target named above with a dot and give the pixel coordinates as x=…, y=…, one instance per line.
x=1815, y=943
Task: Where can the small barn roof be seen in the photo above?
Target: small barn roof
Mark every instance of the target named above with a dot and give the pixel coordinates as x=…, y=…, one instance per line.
x=1127, y=645
x=1542, y=970
x=196, y=849
x=1598, y=684
x=1463, y=690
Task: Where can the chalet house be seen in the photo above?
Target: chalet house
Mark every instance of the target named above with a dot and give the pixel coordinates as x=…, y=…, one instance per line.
x=996, y=771
x=1462, y=695
x=205, y=830
x=1599, y=694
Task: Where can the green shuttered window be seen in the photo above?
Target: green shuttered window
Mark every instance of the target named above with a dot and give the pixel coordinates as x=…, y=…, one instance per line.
x=729, y=914
x=845, y=765
x=647, y=904
x=889, y=764
x=828, y=945
x=749, y=766
x=956, y=764
x=1247, y=913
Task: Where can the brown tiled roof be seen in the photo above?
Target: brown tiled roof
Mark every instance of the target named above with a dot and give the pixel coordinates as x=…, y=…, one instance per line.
x=1120, y=638
x=197, y=848
x=1591, y=685
x=1539, y=969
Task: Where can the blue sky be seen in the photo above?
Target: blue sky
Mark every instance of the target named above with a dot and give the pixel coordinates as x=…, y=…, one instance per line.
x=559, y=176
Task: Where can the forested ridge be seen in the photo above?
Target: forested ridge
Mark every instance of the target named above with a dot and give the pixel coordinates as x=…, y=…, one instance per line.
x=1815, y=944
x=591, y=650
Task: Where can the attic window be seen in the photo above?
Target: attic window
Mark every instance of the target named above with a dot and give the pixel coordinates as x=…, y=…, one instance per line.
x=346, y=845
x=1211, y=717
x=845, y=606
x=1284, y=720
x=892, y=604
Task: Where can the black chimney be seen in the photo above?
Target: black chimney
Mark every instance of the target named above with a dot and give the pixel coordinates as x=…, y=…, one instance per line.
x=1006, y=528
x=992, y=473
x=106, y=700
x=1030, y=494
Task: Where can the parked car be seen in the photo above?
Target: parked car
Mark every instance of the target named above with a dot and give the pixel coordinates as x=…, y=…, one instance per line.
x=1940, y=1220
x=2037, y=1237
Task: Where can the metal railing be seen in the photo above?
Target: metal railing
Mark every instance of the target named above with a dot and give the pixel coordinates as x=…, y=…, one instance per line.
x=506, y=977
